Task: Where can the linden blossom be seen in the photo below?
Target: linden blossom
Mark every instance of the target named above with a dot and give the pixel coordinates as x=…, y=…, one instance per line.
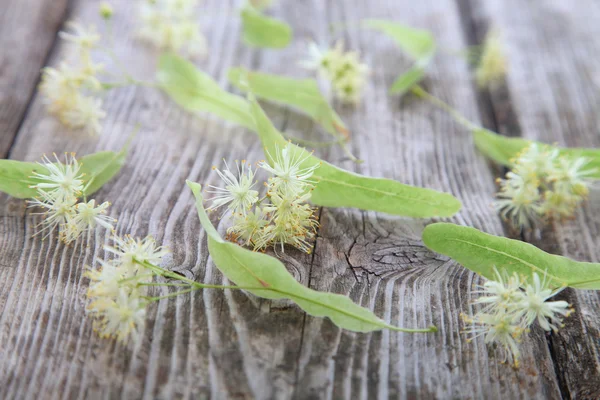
x=344, y=70
x=171, y=25
x=492, y=65
x=286, y=219
x=509, y=311
x=58, y=190
x=543, y=184
x=66, y=88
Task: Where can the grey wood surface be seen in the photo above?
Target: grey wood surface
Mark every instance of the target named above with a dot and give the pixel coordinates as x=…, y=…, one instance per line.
x=231, y=345
x=27, y=32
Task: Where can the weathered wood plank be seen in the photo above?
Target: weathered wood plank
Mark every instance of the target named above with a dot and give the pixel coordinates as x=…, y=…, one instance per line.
x=409, y=141
x=227, y=344
x=27, y=31
x=553, y=83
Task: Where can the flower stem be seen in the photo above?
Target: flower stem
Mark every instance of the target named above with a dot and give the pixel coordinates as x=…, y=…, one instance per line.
x=420, y=92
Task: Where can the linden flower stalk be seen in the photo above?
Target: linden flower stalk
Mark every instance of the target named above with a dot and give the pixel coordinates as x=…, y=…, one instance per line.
x=511, y=306
x=346, y=74
x=59, y=186
x=543, y=184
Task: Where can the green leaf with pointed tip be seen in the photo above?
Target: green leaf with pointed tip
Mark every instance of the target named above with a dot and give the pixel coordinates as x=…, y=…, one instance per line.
x=101, y=167
x=98, y=168
x=504, y=150
x=302, y=94
x=258, y=30
x=195, y=91
x=251, y=269
x=418, y=43
x=339, y=188
x=481, y=252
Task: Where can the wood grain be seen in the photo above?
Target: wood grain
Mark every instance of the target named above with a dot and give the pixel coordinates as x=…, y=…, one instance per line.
x=553, y=97
x=27, y=32
x=217, y=344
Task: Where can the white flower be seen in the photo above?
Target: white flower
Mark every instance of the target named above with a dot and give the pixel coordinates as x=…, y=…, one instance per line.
x=249, y=227
x=128, y=249
x=519, y=200
x=117, y=289
x=57, y=211
x=85, y=38
x=493, y=63
x=323, y=60
x=84, y=113
x=104, y=281
x=171, y=25
x=292, y=168
x=344, y=70
x=121, y=317
x=238, y=194
x=499, y=327
x=511, y=309
x=502, y=292
x=294, y=223
x=58, y=180
x=86, y=217
x=534, y=305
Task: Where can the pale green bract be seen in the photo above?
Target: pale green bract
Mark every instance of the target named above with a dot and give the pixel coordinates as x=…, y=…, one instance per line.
x=418, y=43
x=98, y=168
x=504, y=149
x=251, y=269
x=336, y=187
x=196, y=91
x=258, y=30
x=481, y=252
x=302, y=94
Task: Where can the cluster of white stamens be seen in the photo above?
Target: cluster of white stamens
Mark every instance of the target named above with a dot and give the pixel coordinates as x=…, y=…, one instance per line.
x=172, y=25
x=343, y=70
x=542, y=184
x=59, y=187
x=69, y=89
x=510, y=306
x=282, y=217
x=117, y=293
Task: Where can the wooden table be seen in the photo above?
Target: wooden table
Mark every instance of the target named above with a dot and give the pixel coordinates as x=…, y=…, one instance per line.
x=230, y=345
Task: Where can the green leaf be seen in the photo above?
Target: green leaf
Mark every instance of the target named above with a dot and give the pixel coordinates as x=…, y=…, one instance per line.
x=302, y=94
x=251, y=269
x=15, y=178
x=101, y=167
x=418, y=43
x=339, y=188
x=504, y=150
x=195, y=91
x=262, y=31
x=98, y=168
x=481, y=252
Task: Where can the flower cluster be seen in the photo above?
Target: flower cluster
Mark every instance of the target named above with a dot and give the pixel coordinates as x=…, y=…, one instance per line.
x=282, y=217
x=117, y=291
x=59, y=187
x=511, y=306
x=343, y=70
x=172, y=25
x=492, y=65
x=542, y=184
x=70, y=90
